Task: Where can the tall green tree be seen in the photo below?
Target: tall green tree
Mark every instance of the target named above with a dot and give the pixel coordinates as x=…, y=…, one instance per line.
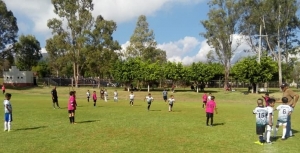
x=222, y=23
x=42, y=69
x=28, y=52
x=249, y=70
x=8, y=33
x=143, y=44
x=79, y=20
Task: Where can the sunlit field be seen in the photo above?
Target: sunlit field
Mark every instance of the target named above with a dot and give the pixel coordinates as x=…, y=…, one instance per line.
x=119, y=127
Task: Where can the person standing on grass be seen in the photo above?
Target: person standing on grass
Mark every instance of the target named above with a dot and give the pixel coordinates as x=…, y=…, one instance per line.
x=131, y=98
x=105, y=95
x=284, y=111
x=72, y=107
x=210, y=108
x=3, y=89
x=149, y=100
x=7, y=112
x=261, y=120
x=292, y=101
x=54, y=97
x=204, y=99
x=102, y=93
x=94, y=98
x=115, y=96
x=88, y=94
x=171, y=102
x=165, y=95
x=266, y=98
x=271, y=103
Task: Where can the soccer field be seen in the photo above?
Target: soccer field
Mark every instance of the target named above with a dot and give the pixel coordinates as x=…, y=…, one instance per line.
x=117, y=127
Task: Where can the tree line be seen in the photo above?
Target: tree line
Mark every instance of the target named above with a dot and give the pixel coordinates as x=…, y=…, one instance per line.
x=83, y=45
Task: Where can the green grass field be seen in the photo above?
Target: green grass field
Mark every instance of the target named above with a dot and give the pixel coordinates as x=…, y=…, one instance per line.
x=118, y=127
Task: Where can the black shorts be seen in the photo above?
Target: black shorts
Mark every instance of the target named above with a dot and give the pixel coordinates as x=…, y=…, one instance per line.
x=95, y=101
x=209, y=115
x=3, y=91
x=204, y=102
x=165, y=97
x=171, y=105
x=260, y=129
x=54, y=100
x=71, y=111
x=149, y=103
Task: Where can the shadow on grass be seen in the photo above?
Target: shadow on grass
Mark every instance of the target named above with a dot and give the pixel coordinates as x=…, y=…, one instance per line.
x=31, y=128
x=155, y=110
x=176, y=110
x=217, y=124
x=88, y=121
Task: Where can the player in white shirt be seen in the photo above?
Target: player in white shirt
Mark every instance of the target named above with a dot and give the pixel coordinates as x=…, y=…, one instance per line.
x=209, y=97
x=88, y=95
x=284, y=111
x=105, y=95
x=270, y=115
x=131, y=98
x=7, y=112
x=115, y=96
x=261, y=120
x=171, y=101
x=149, y=100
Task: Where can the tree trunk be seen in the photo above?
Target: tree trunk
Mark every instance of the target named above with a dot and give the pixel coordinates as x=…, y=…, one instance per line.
x=226, y=75
x=254, y=88
x=148, y=88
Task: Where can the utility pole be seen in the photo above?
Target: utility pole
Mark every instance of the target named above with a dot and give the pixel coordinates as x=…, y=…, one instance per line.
x=259, y=51
x=279, y=51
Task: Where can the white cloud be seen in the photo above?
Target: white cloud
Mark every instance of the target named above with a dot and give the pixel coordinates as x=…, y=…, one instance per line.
x=39, y=11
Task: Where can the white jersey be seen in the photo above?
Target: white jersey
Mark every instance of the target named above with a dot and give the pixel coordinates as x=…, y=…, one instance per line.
x=7, y=105
x=131, y=96
x=261, y=115
x=88, y=94
x=208, y=98
x=283, y=113
x=270, y=112
x=115, y=94
x=171, y=100
x=149, y=99
x=105, y=93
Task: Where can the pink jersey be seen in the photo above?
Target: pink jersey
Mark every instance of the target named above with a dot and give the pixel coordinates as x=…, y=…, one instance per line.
x=210, y=106
x=266, y=100
x=3, y=88
x=204, y=97
x=72, y=103
x=94, y=96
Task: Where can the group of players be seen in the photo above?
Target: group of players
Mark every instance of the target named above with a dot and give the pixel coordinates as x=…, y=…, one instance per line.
x=265, y=116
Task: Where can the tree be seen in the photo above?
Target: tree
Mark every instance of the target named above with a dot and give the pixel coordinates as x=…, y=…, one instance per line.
x=42, y=69
x=175, y=72
x=28, y=52
x=143, y=44
x=222, y=23
x=79, y=20
x=249, y=70
x=8, y=32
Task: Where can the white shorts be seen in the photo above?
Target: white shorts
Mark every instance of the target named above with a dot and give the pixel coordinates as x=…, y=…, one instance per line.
x=280, y=123
x=269, y=128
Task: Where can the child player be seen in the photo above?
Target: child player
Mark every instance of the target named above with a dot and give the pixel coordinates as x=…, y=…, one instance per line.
x=266, y=98
x=131, y=98
x=105, y=95
x=171, y=102
x=7, y=112
x=72, y=107
x=94, y=98
x=204, y=99
x=284, y=111
x=165, y=95
x=115, y=96
x=261, y=120
x=88, y=95
x=271, y=103
x=149, y=99
x=210, y=107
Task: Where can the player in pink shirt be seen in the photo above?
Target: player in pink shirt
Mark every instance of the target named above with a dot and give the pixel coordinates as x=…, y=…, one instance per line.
x=204, y=99
x=266, y=97
x=94, y=98
x=210, y=107
x=72, y=107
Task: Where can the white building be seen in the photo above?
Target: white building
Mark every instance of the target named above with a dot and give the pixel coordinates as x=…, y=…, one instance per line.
x=15, y=77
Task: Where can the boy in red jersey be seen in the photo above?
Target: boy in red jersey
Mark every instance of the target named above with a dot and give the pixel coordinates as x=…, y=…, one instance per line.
x=210, y=107
x=94, y=98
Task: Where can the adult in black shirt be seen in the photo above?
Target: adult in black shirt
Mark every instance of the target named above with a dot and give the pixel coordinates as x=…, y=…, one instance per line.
x=54, y=97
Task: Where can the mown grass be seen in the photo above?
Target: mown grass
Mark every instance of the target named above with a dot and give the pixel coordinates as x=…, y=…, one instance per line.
x=118, y=127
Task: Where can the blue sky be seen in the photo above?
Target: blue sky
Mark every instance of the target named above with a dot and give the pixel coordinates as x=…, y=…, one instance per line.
x=176, y=23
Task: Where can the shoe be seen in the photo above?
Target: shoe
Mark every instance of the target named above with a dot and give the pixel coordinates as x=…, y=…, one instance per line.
x=269, y=143
x=5, y=130
x=259, y=143
x=283, y=138
x=9, y=130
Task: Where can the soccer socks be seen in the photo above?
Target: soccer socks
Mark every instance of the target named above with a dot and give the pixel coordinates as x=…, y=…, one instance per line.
x=149, y=107
x=170, y=108
x=207, y=119
x=5, y=126
x=73, y=119
x=268, y=135
x=8, y=126
x=94, y=104
x=70, y=118
x=283, y=132
x=275, y=132
x=261, y=139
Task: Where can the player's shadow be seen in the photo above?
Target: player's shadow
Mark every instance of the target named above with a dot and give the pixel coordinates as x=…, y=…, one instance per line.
x=31, y=128
x=217, y=124
x=137, y=105
x=87, y=121
x=176, y=111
